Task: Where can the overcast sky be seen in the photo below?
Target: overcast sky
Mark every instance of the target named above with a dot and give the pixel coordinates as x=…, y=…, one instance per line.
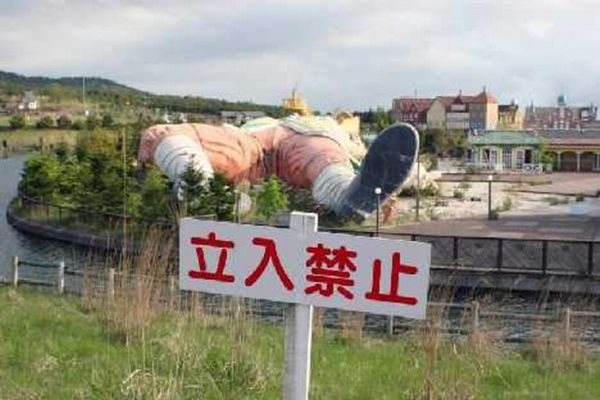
x=340, y=53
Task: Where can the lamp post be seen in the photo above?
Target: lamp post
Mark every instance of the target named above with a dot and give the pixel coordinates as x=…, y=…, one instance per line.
x=418, y=193
x=489, y=179
x=378, y=194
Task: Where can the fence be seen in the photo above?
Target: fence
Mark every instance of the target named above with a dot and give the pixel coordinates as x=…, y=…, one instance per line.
x=479, y=254
x=454, y=319
x=527, y=256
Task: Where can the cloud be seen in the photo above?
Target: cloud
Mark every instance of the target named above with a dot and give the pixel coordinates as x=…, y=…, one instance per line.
x=357, y=54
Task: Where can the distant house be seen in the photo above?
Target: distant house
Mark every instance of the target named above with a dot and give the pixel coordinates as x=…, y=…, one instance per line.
x=461, y=112
x=571, y=151
x=29, y=102
x=412, y=110
x=504, y=150
x=560, y=117
x=510, y=116
x=239, y=117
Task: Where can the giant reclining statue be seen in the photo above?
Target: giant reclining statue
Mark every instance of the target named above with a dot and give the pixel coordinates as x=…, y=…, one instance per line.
x=311, y=152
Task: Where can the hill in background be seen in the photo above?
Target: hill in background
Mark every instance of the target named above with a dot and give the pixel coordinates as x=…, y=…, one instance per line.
x=104, y=95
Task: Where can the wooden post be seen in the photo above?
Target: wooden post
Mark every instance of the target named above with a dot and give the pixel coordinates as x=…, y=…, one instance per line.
x=110, y=285
x=173, y=293
x=298, y=329
x=390, y=329
x=60, y=278
x=567, y=323
x=590, y=271
x=500, y=255
x=474, y=317
x=544, y=256
x=15, y=271
x=455, y=249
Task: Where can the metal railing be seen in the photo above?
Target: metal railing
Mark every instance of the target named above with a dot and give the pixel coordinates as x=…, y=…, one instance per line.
x=446, y=318
x=529, y=256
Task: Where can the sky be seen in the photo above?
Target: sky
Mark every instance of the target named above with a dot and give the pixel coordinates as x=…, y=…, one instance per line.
x=351, y=54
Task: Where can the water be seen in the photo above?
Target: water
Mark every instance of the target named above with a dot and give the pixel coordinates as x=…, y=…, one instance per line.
x=14, y=243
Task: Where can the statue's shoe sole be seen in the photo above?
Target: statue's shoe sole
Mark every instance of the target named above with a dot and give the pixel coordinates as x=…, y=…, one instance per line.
x=387, y=166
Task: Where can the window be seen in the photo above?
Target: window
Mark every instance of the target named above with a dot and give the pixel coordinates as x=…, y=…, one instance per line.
x=507, y=158
x=493, y=157
x=520, y=157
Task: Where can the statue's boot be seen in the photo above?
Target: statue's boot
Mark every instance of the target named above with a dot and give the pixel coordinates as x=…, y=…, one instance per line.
x=387, y=166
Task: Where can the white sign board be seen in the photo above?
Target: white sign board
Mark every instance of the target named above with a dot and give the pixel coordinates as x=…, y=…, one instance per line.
x=357, y=273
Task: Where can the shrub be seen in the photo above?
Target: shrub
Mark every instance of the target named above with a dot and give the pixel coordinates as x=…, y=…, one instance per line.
x=107, y=121
x=458, y=194
x=78, y=125
x=430, y=190
x=46, y=122
x=506, y=204
x=64, y=122
x=91, y=123
x=271, y=199
x=18, y=122
x=580, y=197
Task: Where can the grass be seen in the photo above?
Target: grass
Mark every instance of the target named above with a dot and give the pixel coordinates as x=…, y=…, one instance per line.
x=21, y=139
x=62, y=347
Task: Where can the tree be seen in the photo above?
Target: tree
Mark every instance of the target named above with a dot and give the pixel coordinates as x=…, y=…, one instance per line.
x=91, y=123
x=107, y=121
x=64, y=122
x=45, y=123
x=18, y=122
x=271, y=199
x=40, y=177
x=382, y=119
x=155, y=194
x=194, y=193
x=223, y=197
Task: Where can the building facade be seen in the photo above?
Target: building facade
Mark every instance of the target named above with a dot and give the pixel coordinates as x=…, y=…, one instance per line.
x=569, y=151
x=436, y=114
x=483, y=112
x=29, y=102
x=510, y=117
x=505, y=150
x=461, y=112
x=560, y=117
x=412, y=110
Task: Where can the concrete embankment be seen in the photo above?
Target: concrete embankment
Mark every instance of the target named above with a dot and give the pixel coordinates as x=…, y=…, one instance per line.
x=54, y=232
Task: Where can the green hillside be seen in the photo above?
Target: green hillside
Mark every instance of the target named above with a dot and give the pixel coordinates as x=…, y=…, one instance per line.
x=105, y=94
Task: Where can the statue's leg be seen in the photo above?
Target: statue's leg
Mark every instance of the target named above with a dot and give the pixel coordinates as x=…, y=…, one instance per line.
x=207, y=148
x=321, y=164
x=387, y=165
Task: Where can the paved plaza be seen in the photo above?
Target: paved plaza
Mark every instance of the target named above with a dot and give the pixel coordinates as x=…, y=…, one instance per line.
x=551, y=227
x=532, y=217
x=587, y=184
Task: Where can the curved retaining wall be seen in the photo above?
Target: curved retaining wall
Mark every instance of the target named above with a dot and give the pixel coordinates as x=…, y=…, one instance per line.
x=53, y=232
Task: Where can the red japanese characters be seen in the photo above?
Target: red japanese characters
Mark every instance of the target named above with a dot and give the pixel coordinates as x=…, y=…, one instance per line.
x=393, y=296
x=330, y=269
x=270, y=255
x=219, y=274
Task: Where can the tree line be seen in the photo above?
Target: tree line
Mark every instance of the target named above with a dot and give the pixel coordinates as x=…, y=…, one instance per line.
x=101, y=174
